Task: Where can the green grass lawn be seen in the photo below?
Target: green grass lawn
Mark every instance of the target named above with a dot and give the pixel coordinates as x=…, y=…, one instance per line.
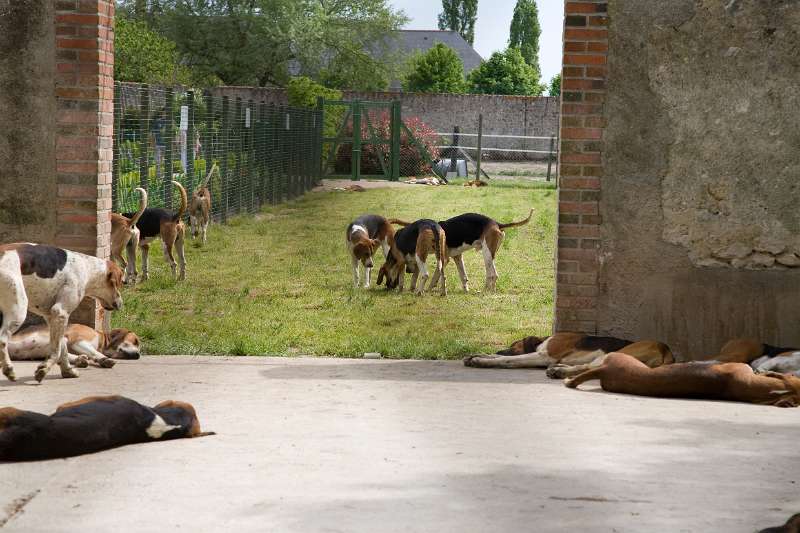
x=280, y=283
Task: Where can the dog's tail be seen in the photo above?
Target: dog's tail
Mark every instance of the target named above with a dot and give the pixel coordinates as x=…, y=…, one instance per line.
x=184, y=201
x=399, y=222
x=520, y=223
x=208, y=176
x=142, y=206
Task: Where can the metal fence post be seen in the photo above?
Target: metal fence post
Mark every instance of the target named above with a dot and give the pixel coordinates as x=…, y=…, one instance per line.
x=320, y=136
x=550, y=157
x=261, y=149
x=190, y=177
x=480, y=141
x=397, y=119
x=356, y=157
x=168, y=139
x=144, y=132
x=223, y=164
x=252, y=168
x=238, y=124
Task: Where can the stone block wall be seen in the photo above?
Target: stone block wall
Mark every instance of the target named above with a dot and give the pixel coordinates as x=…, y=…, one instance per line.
x=678, y=215
x=56, y=102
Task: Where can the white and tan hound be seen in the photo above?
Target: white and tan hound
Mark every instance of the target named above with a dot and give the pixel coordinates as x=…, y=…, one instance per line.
x=50, y=282
x=364, y=235
x=84, y=344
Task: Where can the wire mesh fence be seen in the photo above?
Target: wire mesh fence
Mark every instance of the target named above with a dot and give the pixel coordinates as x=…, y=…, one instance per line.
x=265, y=154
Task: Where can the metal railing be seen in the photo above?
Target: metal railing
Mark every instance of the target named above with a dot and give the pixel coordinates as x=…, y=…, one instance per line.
x=266, y=154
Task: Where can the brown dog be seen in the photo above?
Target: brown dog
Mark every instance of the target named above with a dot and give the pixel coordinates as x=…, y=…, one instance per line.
x=364, y=235
x=747, y=350
x=721, y=381
x=200, y=208
x=169, y=226
x=124, y=231
x=568, y=354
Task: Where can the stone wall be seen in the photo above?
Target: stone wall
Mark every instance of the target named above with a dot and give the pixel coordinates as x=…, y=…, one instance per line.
x=56, y=108
x=693, y=132
x=502, y=115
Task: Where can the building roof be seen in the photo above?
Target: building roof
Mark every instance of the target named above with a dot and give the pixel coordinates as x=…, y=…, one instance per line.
x=423, y=40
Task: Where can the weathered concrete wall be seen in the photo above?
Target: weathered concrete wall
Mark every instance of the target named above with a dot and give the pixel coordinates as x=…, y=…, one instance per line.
x=502, y=115
x=700, y=233
x=27, y=121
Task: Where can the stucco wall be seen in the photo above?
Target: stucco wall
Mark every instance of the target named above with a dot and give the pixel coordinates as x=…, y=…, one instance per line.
x=27, y=121
x=502, y=115
x=700, y=233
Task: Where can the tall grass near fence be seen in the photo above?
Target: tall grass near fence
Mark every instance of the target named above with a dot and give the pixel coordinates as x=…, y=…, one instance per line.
x=266, y=154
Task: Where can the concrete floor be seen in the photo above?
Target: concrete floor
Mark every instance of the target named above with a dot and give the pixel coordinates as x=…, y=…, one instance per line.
x=350, y=445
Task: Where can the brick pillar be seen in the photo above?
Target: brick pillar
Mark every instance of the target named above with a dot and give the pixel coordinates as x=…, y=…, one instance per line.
x=583, y=98
x=84, y=123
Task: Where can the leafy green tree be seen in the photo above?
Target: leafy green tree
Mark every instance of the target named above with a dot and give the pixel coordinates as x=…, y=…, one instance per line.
x=143, y=55
x=460, y=16
x=439, y=70
x=555, y=86
x=257, y=42
x=525, y=32
x=505, y=73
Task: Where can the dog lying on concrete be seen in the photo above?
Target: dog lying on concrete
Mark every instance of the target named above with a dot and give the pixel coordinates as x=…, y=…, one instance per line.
x=622, y=373
x=414, y=243
x=568, y=354
x=746, y=350
x=84, y=344
x=791, y=526
x=124, y=231
x=90, y=425
x=784, y=363
x=50, y=282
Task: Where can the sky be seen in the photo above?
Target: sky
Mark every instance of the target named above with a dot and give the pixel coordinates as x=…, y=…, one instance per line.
x=491, y=29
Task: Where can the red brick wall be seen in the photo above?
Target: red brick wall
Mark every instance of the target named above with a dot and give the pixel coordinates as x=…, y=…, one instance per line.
x=84, y=121
x=583, y=96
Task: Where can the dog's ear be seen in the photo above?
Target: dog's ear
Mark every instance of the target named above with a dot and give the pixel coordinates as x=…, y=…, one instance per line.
x=116, y=336
x=114, y=275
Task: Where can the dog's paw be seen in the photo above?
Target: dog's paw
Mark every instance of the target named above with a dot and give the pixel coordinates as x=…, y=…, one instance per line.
x=40, y=373
x=82, y=361
x=474, y=361
x=9, y=373
x=107, y=362
x=570, y=383
x=69, y=372
x=556, y=371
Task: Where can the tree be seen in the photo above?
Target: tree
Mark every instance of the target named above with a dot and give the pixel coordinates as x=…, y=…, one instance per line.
x=142, y=55
x=525, y=32
x=259, y=42
x=460, y=16
x=439, y=70
x=555, y=86
x=505, y=73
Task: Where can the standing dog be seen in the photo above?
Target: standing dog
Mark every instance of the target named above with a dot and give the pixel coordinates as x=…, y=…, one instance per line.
x=50, y=282
x=414, y=243
x=364, y=235
x=479, y=232
x=83, y=344
x=155, y=223
x=124, y=231
x=721, y=381
x=200, y=208
x=90, y=425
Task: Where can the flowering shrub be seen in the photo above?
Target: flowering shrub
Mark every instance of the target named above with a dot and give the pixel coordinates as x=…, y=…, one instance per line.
x=412, y=162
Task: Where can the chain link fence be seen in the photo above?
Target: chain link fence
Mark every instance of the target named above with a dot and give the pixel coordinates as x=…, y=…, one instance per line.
x=266, y=154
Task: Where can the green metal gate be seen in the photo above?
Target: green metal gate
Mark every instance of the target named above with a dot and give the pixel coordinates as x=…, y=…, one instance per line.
x=363, y=139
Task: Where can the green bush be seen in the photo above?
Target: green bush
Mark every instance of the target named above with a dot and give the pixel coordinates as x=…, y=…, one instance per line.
x=439, y=70
x=505, y=73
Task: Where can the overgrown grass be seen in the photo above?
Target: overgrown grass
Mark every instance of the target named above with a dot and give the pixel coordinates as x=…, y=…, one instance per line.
x=280, y=283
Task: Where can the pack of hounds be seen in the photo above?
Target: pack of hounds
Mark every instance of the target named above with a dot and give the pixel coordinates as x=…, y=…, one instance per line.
x=51, y=282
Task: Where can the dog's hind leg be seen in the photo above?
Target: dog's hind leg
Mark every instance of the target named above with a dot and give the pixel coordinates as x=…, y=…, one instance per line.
x=559, y=371
x=130, y=251
x=180, y=243
x=595, y=373
x=528, y=360
x=145, y=260
x=13, y=308
x=57, y=322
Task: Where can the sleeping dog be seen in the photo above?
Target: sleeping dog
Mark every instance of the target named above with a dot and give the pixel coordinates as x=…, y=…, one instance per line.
x=568, y=354
x=721, y=381
x=414, y=243
x=364, y=235
x=90, y=425
x=83, y=344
